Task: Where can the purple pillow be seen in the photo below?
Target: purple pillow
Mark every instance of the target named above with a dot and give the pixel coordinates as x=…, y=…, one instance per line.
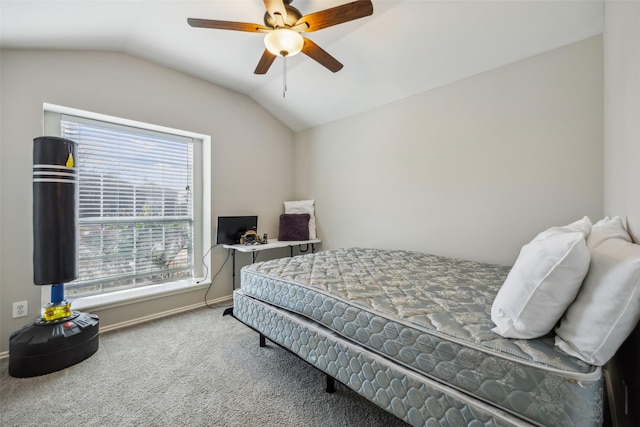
x=294, y=227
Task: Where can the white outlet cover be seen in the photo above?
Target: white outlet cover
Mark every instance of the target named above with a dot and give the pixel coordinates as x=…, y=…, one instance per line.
x=20, y=309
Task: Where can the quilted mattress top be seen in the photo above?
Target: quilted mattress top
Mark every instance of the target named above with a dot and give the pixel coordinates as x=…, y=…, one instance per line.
x=445, y=297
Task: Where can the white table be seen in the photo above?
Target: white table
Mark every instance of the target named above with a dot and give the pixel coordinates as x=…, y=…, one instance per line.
x=271, y=244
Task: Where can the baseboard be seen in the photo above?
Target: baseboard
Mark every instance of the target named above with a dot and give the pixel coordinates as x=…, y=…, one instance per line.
x=139, y=320
x=219, y=302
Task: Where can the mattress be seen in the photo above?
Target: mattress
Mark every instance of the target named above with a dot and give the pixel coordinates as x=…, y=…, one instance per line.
x=431, y=315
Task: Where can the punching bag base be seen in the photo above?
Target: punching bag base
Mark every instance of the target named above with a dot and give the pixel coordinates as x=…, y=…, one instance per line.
x=43, y=347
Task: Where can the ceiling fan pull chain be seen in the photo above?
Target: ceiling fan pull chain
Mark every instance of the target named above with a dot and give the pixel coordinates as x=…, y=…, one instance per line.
x=284, y=76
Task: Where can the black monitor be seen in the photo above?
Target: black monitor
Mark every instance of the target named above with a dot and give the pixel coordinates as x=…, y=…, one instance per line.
x=231, y=228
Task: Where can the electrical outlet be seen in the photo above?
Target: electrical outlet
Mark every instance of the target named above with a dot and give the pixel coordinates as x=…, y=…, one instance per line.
x=20, y=309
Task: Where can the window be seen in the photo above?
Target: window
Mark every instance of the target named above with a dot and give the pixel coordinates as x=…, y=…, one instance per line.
x=142, y=198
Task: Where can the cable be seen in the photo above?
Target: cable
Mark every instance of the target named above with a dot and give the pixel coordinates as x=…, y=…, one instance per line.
x=205, y=264
x=214, y=278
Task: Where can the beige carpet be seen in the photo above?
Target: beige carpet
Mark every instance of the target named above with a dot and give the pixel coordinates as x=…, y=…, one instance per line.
x=193, y=369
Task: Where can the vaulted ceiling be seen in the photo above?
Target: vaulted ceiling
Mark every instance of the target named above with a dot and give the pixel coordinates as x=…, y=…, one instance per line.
x=406, y=47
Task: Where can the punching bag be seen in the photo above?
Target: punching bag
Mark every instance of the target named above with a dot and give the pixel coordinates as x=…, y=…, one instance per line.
x=55, y=224
x=60, y=337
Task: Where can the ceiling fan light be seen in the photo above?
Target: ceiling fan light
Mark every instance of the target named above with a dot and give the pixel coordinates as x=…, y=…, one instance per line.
x=283, y=42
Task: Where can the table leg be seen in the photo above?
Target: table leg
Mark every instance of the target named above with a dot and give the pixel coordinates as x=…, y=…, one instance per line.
x=233, y=268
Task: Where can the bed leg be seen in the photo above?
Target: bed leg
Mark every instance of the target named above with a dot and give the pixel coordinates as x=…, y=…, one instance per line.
x=331, y=384
x=263, y=342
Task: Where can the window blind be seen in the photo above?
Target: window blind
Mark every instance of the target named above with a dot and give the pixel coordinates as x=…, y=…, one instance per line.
x=135, y=211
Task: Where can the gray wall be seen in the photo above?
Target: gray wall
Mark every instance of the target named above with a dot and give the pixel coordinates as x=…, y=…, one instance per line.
x=622, y=113
x=622, y=175
x=473, y=169
x=122, y=86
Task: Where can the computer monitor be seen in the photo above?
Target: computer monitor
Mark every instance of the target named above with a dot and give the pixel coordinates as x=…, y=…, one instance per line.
x=231, y=228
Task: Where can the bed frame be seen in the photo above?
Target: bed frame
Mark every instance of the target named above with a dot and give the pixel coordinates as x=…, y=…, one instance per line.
x=622, y=375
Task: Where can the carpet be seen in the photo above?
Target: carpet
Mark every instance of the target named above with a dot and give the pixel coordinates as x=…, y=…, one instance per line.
x=192, y=369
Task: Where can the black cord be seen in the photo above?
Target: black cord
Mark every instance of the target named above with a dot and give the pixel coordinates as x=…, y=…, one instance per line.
x=214, y=278
x=205, y=264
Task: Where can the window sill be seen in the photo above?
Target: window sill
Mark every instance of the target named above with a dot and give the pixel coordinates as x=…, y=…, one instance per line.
x=135, y=295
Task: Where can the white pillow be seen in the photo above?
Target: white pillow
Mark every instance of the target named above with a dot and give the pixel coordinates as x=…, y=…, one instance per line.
x=544, y=280
x=608, y=306
x=302, y=207
x=607, y=228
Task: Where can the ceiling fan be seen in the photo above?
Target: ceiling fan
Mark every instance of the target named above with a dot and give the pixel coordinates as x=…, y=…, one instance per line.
x=283, y=24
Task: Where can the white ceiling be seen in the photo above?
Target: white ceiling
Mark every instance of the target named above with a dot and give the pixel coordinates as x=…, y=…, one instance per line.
x=405, y=48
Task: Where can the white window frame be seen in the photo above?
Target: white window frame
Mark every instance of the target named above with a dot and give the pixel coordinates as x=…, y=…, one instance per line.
x=201, y=210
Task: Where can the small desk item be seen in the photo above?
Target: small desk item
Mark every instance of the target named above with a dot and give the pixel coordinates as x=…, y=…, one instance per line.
x=272, y=244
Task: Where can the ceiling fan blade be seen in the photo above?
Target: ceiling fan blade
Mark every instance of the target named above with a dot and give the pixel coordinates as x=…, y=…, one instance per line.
x=227, y=25
x=321, y=56
x=265, y=62
x=276, y=9
x=337, y=15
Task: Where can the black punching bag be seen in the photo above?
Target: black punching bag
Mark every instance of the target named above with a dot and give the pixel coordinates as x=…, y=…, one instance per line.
x=55, y=224
x=60, y=337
